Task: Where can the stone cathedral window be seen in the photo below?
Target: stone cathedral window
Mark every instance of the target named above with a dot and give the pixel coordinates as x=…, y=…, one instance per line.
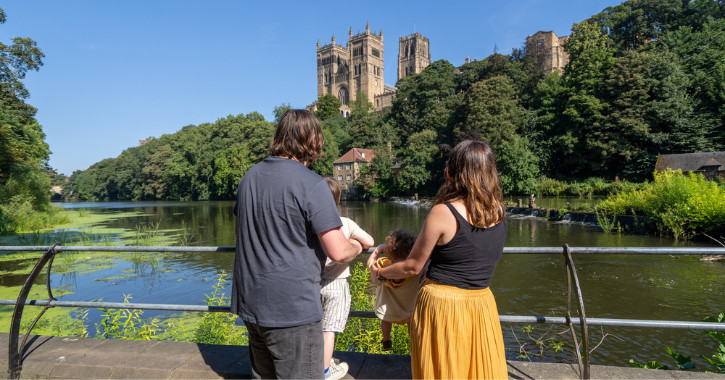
x=343, y=95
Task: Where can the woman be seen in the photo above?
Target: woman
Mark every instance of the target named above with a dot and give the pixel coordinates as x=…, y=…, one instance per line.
x=455, y=331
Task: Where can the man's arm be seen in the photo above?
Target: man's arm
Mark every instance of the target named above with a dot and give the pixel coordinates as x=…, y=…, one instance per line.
x=337, y=247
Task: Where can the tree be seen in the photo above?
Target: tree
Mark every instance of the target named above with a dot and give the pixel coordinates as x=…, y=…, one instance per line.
x=229, y=168
x=492, y=111
x=635, y=23
x=577, y=137
x=417, y=157
x=517, y=166
x=362, y=121
x=23, y=151
x=377, y=177
x=15, y=61
x=330, y=153
x=674, y=126
x=426, y=101
x=702, y=54
x=280, y=110
x=328, y=106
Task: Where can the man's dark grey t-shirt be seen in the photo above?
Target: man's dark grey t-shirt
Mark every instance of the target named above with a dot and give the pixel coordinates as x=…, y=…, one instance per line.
x=281, y=207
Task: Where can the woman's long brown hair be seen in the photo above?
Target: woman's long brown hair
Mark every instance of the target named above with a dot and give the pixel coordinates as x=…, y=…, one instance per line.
x=471, y=177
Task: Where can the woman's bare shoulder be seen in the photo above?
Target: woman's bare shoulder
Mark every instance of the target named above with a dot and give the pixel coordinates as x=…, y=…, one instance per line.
x=441, y=213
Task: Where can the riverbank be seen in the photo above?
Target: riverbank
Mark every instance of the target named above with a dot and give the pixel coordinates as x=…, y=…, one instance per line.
x=84, y=358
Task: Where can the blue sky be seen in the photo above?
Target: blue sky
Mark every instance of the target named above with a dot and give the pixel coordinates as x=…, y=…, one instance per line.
x=119, y=71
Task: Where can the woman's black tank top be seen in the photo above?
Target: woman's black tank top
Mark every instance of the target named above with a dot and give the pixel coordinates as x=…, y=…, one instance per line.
x=469, y=259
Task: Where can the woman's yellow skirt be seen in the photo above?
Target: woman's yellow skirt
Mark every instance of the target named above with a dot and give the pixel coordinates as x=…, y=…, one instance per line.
x=456, y=334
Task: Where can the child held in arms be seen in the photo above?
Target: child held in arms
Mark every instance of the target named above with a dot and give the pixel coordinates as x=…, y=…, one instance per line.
x=394, y=299
x=335, y=291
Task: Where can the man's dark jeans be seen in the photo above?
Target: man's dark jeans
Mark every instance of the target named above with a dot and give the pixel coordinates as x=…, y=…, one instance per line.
x=286, y=353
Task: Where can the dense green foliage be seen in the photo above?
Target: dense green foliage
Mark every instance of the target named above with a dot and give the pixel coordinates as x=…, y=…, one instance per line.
x=645, y=78
x=197, y=163
x=24, y=174
x=586, y=188
x=679, y=205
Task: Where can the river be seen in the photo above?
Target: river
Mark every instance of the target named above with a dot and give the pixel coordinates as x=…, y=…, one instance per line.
x=614, y=286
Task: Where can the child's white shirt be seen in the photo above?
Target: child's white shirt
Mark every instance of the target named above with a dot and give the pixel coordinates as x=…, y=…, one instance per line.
x=333, y=269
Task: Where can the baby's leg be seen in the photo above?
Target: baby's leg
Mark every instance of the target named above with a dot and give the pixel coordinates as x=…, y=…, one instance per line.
x=386, y=327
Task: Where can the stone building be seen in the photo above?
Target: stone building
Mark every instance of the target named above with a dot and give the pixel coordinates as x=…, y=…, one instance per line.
x=146, y=141
x=385, y=99
x=346, y=170
x=413, y=55
x=546, y=48
x=358, y=66
x=709, y=164
x=344, y=71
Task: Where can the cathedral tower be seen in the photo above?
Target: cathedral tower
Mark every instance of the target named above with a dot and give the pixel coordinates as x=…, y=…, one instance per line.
x=413, y=55
x=356, y=67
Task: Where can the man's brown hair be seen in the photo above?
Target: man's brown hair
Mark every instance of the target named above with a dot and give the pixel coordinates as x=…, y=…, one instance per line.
x=399, y=244
x=298, y=136
x=334, y=188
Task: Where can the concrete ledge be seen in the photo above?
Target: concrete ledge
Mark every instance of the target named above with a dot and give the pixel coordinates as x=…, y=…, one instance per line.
x=83, y=358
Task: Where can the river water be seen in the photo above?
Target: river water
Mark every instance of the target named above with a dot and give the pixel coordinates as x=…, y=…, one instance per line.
x=614, y=286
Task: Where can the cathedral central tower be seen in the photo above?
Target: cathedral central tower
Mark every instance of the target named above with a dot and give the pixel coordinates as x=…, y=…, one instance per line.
x=413, y=55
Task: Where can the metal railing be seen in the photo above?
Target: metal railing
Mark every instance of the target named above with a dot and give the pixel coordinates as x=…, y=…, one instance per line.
x=15, y=352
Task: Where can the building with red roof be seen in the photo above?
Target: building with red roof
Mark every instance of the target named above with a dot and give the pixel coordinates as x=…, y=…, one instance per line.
x=346, y=170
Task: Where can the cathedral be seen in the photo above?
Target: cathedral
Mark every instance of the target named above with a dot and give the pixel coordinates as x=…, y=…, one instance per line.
x=358, y=66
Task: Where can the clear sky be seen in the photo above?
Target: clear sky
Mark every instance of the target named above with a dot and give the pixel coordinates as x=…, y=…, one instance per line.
x=119, y=71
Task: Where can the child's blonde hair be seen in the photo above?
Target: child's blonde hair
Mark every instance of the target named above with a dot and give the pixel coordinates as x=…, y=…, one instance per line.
x=334, y=188
x=399, y=244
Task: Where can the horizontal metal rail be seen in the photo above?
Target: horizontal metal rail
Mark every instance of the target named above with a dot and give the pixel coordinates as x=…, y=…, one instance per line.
x=642, y=323
x=696, y=251
x=15, y=352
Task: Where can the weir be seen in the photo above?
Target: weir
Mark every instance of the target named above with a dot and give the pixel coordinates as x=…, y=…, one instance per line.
x=16, y=351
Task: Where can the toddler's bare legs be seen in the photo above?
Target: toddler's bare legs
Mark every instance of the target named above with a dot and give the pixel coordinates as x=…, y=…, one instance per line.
x=329, y=338
x=386, y=327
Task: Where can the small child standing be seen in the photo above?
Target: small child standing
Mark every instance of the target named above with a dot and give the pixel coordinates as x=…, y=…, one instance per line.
x=394, y=299
x=335, y=291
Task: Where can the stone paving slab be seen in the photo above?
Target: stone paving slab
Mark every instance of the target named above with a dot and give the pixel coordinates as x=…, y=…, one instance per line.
x=157, y=363
x=353, y=359
x=99, y=362
x=216, y=362
x=83, y=358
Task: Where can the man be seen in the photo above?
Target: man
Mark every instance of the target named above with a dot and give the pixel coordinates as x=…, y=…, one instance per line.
x=287, y=221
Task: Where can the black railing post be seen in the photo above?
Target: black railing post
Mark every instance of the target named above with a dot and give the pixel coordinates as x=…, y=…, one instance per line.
x=582, y=357
x=15, y=352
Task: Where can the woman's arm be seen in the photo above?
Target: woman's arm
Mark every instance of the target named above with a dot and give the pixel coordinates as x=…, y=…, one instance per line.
x=439, y=221
x=374, y=256
x=371, y=261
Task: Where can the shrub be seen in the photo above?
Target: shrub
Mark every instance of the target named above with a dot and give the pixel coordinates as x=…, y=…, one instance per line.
x=20, y=215
x=678, y=205
x=549, y=186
